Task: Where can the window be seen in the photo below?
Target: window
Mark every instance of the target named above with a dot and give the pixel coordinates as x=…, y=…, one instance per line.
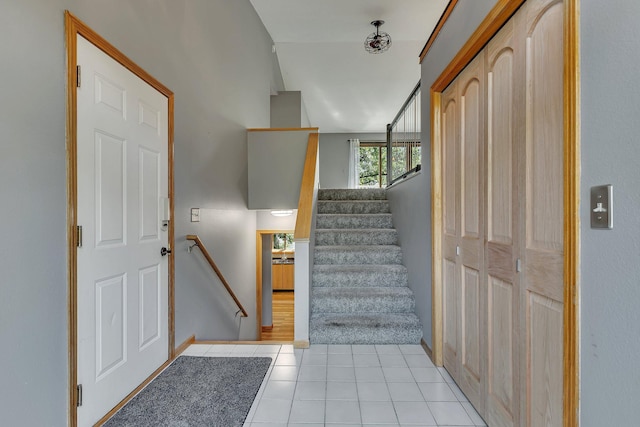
x=283, y=241
x=373, y=165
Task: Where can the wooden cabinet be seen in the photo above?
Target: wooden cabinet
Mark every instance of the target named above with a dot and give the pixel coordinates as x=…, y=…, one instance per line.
x=282, y=277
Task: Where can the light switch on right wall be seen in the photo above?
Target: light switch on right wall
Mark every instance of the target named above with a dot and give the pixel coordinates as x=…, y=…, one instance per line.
x=602, y=207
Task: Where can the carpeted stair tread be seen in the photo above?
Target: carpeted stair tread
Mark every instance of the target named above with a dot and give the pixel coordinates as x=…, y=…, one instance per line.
x=375, y=254
x=364, y=328
x=352, y=194
x=362, y=300
x=356, y=237
x=354, y=221
x=359, y=275
x=353, y=207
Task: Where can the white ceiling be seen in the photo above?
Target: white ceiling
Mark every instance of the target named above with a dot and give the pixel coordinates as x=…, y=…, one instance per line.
x=320, y=46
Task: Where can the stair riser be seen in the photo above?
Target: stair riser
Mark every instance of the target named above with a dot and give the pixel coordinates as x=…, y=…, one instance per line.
x=367, y=329
x=404, y=304
x=356, y=237
x=327, y=207
x=351, y=194
x=327, y=221
x=346, y=335
x=359, y=279
x=337, y=256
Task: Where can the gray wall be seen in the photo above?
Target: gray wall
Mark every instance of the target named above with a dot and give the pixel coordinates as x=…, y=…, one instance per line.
x=411, y=199
x=610, y=261
x=276, y=162
x=216, y=56
x=33, y=261
x=286, y=109
x=266, y=221
x=334, y=156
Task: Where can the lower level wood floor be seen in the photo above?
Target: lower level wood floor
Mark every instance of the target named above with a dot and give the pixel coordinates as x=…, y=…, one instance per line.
x=282, y=318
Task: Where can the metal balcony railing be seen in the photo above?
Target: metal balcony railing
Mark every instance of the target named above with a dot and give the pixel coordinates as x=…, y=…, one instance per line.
x=403, y=139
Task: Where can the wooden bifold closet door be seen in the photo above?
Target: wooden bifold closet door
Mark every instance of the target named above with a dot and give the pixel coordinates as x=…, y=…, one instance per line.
x=502, y=246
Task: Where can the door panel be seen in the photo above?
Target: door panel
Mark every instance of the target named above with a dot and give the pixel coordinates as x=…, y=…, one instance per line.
x=470, y=262
x=503, y=103
x=450, y=241
x=111, y=331
x=150, y=305
x=149, y=172
x=450, y=295
x=543, y=245
x=111, y=193
x=501, y=402
x=122, y=280
x=544, y=325
x=471, y=317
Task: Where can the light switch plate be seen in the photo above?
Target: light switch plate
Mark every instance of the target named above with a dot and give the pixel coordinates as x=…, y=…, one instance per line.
x=602, y=206
x=195, y=214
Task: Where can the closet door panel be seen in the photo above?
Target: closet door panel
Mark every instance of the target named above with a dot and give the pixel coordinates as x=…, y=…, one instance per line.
x=502, y=402
x=471, y=259
x=503, y=102
x=451, y=230
x=543, y=246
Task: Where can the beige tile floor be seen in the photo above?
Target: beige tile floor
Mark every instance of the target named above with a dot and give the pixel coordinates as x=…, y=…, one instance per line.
x=350, y=385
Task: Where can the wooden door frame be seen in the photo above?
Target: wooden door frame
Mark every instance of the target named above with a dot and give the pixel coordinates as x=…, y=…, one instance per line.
x=497, y=17
x=73, y=28
x=259, y=234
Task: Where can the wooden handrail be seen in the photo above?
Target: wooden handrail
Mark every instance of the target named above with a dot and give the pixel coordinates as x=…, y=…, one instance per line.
x=305, y=203
x=213, y=265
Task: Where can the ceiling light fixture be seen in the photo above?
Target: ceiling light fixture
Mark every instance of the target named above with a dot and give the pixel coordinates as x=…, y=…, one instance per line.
x=379, y=41
x=286, y=212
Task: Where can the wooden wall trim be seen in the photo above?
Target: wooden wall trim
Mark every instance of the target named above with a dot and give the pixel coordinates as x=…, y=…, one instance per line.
x=501, y=12
x=73, y=28
x=72, y=222
x=571, y=338
x=436, y=228
x=434, y=34
x=259, y=267
x=307, y=186
x=182, y=347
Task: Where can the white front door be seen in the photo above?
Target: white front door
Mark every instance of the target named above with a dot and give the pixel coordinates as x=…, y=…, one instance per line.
x=122, y=184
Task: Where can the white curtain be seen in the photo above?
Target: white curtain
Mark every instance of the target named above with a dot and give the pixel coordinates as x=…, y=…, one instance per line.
x=354, y=163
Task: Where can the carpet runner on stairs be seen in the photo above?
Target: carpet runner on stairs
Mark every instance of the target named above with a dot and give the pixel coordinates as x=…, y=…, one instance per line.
x=360, y=292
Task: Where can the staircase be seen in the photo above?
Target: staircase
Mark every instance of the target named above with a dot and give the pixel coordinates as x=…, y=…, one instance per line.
x=360, y=292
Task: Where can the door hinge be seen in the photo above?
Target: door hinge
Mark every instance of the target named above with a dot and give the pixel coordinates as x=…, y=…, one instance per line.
x=79, y=236
x=79, y=395
x=518, y=265
x=78, y=76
